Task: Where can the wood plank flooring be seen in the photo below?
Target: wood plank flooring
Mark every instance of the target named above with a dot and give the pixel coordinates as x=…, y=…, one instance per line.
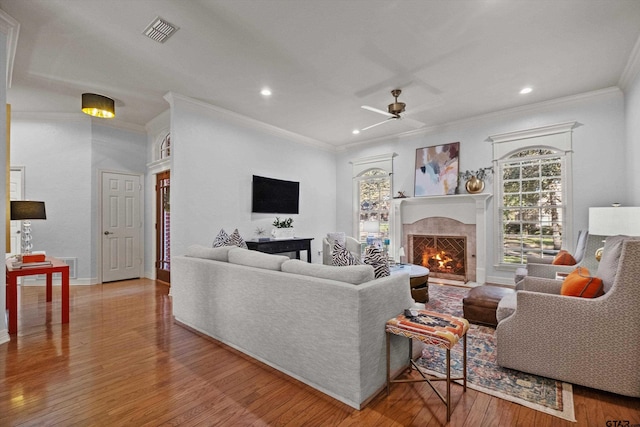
x=123, y=362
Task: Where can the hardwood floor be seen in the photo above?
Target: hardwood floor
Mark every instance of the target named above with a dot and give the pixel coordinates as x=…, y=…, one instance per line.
x=122, y=361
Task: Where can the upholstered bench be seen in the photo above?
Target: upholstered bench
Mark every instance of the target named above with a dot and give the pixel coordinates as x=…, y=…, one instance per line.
x=481, y=303
x=438, y=329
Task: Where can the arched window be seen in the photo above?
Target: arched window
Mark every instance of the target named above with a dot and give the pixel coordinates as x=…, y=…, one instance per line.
x=374, y=198
x=533, y=192
x=532, y=204
x=164, y=149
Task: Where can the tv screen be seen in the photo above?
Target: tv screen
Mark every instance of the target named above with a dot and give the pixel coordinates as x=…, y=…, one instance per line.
x=271, y=195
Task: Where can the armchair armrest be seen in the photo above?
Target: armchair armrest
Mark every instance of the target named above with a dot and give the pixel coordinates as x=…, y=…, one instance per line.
x=539, y=284
x=534, y=259
x=548, y=270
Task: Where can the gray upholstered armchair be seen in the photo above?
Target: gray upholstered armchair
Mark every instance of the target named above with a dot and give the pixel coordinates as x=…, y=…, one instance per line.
x=584, y=255
x=591, y=342
x=352, y=245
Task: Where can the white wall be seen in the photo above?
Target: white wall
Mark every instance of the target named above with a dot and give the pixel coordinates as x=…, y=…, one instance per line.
x=55, y=151
x=4, y=329
x=632, y=111
x=598, y=161
x=62, y=154
x=212, y=162
x=157, y=128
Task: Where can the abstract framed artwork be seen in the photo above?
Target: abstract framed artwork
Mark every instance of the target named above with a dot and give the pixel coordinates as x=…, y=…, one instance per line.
x=436, y=171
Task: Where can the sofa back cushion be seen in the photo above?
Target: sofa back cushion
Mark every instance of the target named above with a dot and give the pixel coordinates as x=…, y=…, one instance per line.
x=256, y=259
x=354, y=274
x=216, y=254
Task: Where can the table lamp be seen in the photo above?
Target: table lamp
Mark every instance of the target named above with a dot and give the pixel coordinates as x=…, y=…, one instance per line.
x=611, y=221
x=401, y=254
x=25, y=211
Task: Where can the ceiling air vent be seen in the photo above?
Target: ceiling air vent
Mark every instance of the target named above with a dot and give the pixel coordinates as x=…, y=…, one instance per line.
x=160, y=30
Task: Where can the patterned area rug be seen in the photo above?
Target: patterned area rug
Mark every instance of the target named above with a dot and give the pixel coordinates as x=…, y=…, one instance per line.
x=539, y=393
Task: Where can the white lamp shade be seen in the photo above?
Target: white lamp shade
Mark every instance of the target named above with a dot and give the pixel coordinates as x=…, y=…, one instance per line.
x=611, y=221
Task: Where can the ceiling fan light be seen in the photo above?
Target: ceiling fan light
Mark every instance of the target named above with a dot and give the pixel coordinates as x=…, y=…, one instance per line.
x=98, y=106
x=396, y=108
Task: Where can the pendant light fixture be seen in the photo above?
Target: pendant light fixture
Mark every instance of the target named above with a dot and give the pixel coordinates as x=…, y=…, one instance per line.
x=98, y=106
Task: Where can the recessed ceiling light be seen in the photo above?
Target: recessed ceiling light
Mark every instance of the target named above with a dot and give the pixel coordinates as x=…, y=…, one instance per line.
x=265, y=92
x=525, y=90
x=355, y=131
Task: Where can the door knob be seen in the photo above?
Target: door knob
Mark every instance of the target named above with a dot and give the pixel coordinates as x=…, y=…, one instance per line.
x=106, y=233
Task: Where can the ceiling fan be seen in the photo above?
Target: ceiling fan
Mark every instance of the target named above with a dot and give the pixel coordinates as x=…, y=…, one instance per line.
x=393, y=112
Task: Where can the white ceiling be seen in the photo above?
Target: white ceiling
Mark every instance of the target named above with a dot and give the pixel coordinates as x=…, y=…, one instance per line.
x=322, y=59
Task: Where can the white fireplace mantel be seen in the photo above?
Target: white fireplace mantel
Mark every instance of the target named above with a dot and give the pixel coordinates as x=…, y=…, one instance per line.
x=466, y=208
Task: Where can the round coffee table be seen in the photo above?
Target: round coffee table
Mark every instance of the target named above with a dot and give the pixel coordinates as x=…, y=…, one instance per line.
x=418, y=280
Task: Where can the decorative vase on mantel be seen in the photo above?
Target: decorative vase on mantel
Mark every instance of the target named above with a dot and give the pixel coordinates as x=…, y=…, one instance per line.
x=474, y=185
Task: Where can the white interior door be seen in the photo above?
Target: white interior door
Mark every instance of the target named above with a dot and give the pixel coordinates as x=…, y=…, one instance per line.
x=121, y=227
x=16, y=192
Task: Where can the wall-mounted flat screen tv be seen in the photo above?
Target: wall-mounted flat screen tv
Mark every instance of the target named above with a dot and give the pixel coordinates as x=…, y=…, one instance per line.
x=269, y=195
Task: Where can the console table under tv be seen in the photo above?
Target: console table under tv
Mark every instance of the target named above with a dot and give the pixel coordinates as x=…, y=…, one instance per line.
x=277, y=246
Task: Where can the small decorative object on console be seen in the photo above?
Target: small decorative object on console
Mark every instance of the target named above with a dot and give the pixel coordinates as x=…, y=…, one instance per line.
x=283, y=229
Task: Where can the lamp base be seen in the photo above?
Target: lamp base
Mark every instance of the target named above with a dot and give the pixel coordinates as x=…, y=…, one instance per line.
x=598, y=254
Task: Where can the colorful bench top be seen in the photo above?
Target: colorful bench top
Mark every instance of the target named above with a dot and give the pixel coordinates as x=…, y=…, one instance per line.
x=429, y=327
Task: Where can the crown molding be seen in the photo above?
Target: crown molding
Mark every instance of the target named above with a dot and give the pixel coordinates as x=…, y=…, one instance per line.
x=632, y=68
x=217, y=112
x=11, y=28
x=534, y=133
x=29, y=116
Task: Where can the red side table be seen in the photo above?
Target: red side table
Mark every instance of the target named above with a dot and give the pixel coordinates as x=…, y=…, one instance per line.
x=57, y=266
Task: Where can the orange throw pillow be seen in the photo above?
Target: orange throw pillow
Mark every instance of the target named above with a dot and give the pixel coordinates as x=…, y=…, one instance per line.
x=564, y=258
x=580, y=284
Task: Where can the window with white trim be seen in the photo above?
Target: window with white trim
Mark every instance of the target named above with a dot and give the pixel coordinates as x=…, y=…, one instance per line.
x=374, y=198
x=164, y=149
x=532, y=204
x=372, y=194
x=533, y=192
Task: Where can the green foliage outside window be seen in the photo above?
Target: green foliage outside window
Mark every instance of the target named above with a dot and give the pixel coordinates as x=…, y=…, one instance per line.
x=374, y=201
x=532, y=205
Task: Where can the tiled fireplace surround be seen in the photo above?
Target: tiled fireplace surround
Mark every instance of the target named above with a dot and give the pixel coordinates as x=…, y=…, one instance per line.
x=455, y=215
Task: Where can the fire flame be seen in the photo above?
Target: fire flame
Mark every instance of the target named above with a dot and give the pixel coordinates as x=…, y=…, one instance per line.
x=442, y=260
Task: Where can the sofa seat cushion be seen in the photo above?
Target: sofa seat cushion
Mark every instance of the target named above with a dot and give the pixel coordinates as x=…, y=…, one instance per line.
x=216, y=254
x=354, y=274
x=256, y=259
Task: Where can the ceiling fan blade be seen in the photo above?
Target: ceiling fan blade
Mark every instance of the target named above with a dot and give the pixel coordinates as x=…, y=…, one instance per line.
x=412, y=122
x=375, y=110
x=377, y=124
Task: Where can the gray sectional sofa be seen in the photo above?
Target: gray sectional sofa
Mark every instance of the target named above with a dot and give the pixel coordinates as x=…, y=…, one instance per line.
x=320, y=324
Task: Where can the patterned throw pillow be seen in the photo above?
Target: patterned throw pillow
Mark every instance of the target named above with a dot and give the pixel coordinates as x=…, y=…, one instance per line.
x=375, y=258
x=340, y=256
x=220, y=239
x=236, y=240
x=223, y=239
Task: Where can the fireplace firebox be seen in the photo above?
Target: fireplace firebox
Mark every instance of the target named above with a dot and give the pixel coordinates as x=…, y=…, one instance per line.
x=444, y=256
